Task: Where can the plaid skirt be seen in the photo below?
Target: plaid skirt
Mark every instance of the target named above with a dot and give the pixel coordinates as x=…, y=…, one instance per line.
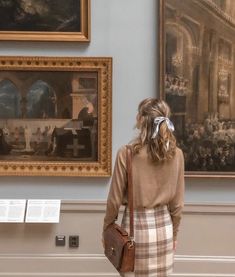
x=153, y=235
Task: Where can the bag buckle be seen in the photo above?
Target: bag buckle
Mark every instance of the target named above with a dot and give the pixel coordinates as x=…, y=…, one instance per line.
x=113, y=252
x=132, y=242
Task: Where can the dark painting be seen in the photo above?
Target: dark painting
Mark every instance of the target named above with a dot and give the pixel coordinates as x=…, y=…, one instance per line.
x=48, y=116
x=40, y=15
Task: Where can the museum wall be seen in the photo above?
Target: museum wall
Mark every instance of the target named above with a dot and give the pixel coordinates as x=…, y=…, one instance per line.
x=205, y=248
x=126, y=31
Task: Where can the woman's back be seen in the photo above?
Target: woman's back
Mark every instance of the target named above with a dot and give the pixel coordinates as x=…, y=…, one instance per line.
x=158, y=190
x=154, y=183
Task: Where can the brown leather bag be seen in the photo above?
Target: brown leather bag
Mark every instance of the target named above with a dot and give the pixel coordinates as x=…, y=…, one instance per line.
x=119, y=246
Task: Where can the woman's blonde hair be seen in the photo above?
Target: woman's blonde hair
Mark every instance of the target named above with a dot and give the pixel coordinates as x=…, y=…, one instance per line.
x=163, y=146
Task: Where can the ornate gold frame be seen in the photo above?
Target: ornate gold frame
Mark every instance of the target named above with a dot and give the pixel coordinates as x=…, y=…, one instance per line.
x=83, y=36
x=161, y=47
x=161, y=75
x=103, y=67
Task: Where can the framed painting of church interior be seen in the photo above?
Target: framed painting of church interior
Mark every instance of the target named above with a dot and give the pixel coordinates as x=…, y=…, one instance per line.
x=197, y=79
x=55, y=116
x=49, y=20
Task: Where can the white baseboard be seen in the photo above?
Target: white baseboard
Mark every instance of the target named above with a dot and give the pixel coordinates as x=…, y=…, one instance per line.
x=202, y=275
x=97, y=266
x=204, y=266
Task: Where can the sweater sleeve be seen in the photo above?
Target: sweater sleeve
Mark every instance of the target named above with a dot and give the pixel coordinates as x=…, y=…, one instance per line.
x=117, y=188
x=177, y=202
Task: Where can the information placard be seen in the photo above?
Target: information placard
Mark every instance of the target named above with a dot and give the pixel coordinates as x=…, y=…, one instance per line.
x=43, y=211
x=12, y=210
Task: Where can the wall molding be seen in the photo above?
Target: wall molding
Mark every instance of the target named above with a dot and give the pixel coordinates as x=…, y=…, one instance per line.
x=54, y=263
x=227, y=259
x=73, y=263
x=201, y=275
x=196, y=265
x=209, y=208
x=76, y=262
x=99, y=206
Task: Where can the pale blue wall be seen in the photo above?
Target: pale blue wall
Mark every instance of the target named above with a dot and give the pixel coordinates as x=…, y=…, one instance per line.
x=127, y=31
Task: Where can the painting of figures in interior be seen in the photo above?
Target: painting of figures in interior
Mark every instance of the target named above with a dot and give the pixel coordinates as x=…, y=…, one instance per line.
x=198, y=81
x=50, y=113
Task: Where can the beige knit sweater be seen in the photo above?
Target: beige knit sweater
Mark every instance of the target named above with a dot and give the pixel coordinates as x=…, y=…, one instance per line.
x=153, y=185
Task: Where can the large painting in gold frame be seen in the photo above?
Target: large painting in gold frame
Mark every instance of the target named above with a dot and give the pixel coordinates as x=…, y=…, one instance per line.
x=45, y=20
x=55, y=116
x=196, y=73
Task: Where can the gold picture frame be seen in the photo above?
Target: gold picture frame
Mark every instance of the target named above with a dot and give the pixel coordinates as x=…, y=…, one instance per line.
x=20, y=22
x=50, y=106
x=194, y=64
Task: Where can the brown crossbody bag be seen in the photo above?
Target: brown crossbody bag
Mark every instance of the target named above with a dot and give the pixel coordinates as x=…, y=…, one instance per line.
x=119, y=246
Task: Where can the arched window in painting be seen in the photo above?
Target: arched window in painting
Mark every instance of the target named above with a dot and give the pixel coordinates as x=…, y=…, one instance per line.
x=41, y=101
x=171, y=49
x=9, y=100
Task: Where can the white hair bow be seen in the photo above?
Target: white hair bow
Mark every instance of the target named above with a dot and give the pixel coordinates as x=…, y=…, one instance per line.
x=158, y=121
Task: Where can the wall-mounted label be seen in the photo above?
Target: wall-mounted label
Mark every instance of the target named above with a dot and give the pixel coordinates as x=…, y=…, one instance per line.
x=43, y=211
x=12, y=210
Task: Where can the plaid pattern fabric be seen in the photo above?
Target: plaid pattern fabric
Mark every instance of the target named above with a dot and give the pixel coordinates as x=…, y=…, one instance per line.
x=154, y=242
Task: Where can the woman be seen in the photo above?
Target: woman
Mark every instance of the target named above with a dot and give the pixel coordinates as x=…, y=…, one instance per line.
x=158, y=181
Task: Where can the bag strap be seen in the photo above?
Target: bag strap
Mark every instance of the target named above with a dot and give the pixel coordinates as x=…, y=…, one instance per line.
x=130, y=189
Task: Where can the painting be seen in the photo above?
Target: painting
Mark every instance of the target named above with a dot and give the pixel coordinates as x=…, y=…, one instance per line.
x=55, y=116
x=50, y=20
x=196, y=77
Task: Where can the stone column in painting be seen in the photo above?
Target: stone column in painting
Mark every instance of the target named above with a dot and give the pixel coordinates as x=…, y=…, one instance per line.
x=202, y=103
x=208, y=78
x=213, y=69
x=224, y=79
x=23, y=104
x=77, y=99
x=194, y=77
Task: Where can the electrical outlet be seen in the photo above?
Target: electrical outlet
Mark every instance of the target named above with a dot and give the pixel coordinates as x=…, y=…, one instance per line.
x=60, y=240
x=73, y=241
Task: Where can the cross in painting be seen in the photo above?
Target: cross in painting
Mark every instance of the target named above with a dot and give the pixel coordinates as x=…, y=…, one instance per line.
x=75, y=147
